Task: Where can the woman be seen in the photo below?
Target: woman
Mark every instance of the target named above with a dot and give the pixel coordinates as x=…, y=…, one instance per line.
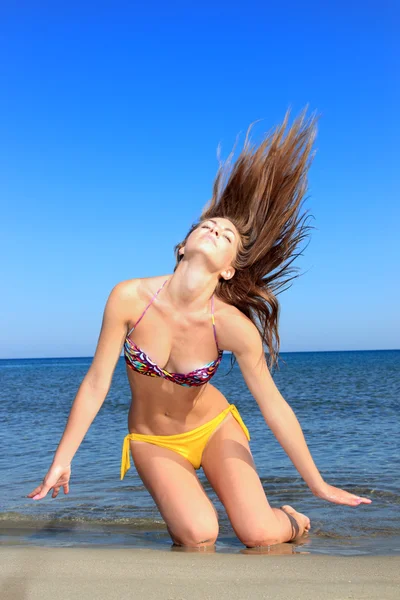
x=221, y=296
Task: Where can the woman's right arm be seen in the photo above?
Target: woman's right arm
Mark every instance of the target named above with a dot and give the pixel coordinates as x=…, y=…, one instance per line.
x=93, y=389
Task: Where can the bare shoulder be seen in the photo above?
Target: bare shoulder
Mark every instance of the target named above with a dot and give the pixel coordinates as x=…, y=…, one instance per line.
x=138, y=288
x=235, y=331
x=129, y=295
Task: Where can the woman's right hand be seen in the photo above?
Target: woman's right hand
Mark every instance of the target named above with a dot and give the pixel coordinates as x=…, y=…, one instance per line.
x=57, y=477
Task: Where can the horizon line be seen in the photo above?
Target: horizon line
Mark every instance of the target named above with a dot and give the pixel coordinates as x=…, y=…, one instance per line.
x=225, y=352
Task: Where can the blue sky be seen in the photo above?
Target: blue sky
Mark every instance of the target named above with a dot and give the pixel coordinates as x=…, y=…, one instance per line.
x=110, y=116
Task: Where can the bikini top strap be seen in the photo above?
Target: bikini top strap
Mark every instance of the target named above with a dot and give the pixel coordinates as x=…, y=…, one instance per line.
x=147, y=307
x=213, y=321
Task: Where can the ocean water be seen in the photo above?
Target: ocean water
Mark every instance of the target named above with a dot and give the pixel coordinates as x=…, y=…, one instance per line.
x=347, y=404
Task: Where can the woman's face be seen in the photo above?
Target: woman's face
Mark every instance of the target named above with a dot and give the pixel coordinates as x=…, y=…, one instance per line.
x=217, y=239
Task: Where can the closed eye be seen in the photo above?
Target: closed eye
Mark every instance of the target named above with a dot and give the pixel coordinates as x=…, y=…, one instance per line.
x=208, y=227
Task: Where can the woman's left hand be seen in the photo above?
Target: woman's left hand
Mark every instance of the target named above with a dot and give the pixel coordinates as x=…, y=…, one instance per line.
x=339, y=496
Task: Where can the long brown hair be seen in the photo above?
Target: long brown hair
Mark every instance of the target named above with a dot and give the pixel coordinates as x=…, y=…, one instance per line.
x=262, y=194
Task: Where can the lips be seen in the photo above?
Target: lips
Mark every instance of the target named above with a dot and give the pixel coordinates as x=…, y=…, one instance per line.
x=210, y=237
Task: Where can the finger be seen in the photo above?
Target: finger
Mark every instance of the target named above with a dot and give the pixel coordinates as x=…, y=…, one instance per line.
x=66, y=488
x=364, y=500
x=55, y=492
x=43, y=493
x=360, y=500
x=35, y=491
x=356, y=501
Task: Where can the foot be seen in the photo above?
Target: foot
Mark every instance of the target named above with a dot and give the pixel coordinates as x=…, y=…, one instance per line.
x=303, y=521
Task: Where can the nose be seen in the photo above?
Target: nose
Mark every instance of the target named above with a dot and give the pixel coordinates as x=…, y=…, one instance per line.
x=215, y=229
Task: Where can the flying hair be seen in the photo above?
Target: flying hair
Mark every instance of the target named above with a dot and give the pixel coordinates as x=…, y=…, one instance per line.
x=262, y=193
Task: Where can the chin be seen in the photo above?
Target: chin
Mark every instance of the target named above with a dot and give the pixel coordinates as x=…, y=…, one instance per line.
x=209, y=253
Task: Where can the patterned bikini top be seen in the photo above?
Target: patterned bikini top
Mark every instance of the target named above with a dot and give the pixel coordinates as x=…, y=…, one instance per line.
x=140, y=362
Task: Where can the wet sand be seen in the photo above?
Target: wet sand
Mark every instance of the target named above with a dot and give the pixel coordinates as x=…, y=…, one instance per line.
x=30, y=573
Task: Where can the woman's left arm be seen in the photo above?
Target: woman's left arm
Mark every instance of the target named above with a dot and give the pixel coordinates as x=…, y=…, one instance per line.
x=280, y=417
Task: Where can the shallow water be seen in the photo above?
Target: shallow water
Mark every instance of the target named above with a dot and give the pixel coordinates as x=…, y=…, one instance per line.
x=346, y=402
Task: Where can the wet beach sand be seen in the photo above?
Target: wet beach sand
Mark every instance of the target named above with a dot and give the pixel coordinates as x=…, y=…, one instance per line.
x=30, y=573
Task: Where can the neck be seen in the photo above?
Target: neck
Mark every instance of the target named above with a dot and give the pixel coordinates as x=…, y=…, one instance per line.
x=191, y=287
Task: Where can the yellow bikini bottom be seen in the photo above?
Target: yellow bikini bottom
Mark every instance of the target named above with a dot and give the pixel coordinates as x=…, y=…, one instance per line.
x=190, y=445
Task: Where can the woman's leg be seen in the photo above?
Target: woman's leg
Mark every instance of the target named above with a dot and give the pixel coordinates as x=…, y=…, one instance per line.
x=172, y=481
x=229, y=467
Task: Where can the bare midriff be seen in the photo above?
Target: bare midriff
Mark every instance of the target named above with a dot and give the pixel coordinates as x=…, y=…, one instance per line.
x=161, y=407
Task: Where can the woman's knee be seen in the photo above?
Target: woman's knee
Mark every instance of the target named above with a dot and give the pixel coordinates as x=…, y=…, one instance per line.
x=196, y=534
